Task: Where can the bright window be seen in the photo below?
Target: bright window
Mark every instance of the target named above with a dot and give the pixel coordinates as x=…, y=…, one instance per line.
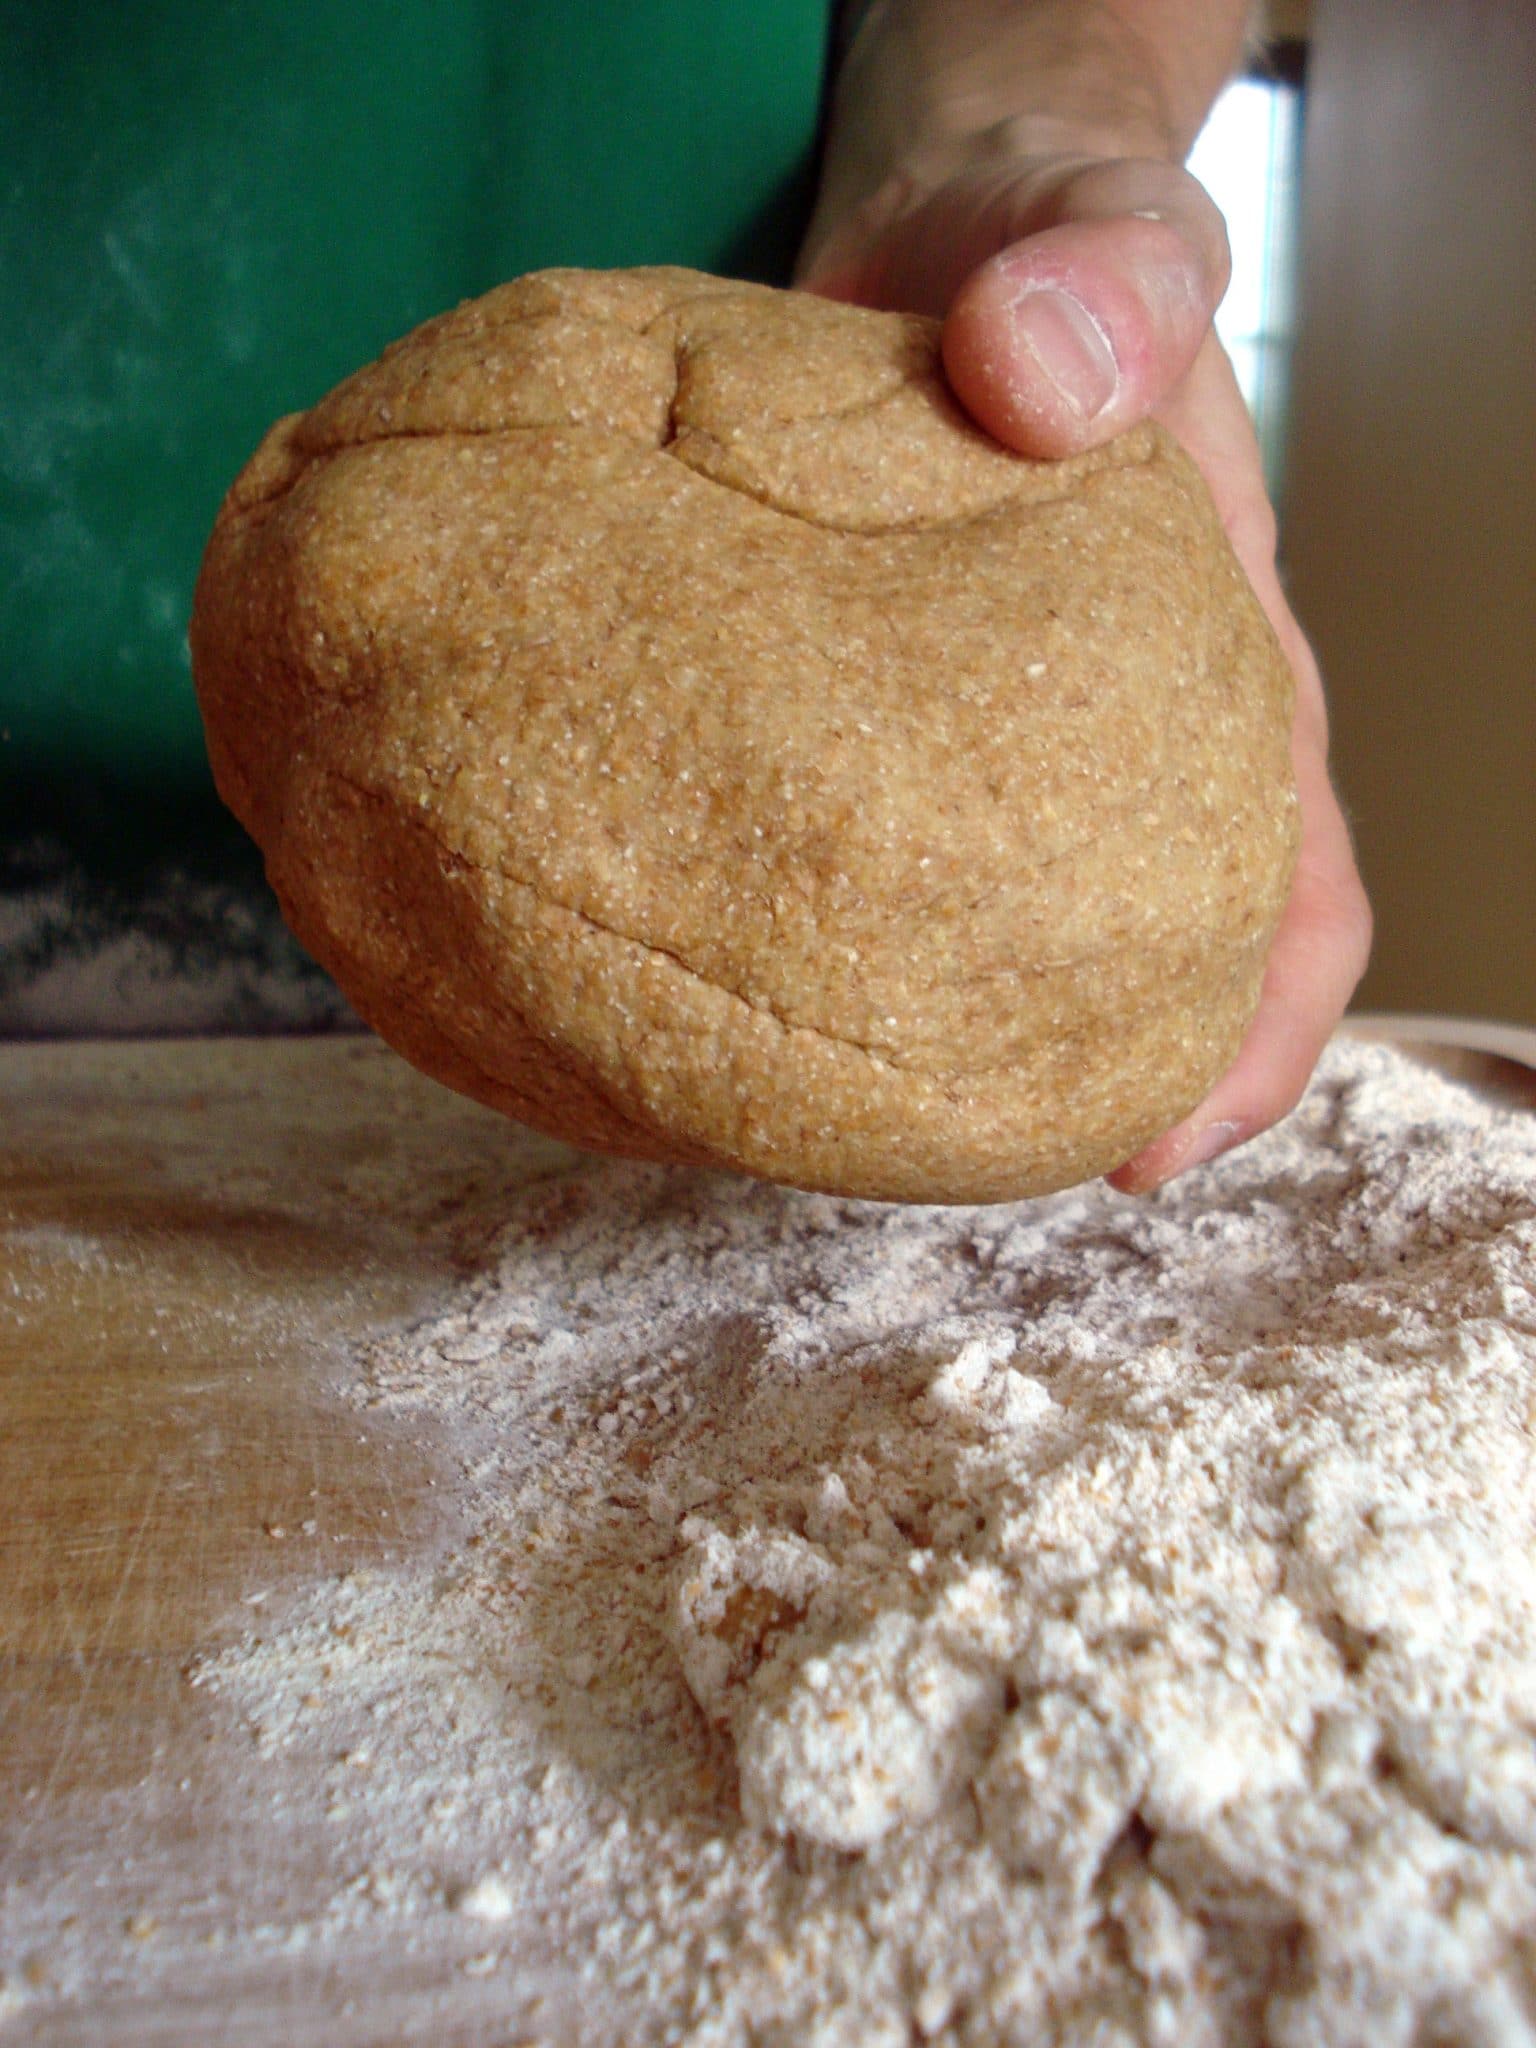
x=1248, y=158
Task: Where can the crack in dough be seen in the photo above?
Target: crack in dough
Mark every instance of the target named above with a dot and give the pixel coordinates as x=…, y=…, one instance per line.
x=879, y=1058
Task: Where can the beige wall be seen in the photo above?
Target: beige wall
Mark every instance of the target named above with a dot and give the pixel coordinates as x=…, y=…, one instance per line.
x=1411, y=479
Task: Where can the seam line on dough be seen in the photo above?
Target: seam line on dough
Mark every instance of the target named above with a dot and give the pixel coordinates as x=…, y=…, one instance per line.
x=456, y=857
x=310, y=459
x=676, y=451
x=947, y=1081
x=644, y=1135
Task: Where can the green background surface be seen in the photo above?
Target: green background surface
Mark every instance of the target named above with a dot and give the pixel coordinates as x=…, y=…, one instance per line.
x=211, y=212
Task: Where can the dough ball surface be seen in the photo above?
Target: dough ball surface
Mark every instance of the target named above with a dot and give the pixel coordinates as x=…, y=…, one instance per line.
x=675, y=724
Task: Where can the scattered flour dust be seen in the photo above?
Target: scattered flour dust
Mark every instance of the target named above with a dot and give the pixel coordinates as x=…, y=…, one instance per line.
x=1090, y=1621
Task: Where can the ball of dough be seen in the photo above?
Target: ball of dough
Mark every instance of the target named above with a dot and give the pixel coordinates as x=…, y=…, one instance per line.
x=674, y=723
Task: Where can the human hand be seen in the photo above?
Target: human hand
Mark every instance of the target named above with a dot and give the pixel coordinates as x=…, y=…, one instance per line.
x=1077, y=293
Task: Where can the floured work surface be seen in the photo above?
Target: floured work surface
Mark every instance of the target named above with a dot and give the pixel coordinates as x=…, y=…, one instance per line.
x=1088, y=1621
x=194, y=1237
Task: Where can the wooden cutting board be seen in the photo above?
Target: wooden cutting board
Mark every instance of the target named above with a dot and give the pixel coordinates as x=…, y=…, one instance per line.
x=192, y=1235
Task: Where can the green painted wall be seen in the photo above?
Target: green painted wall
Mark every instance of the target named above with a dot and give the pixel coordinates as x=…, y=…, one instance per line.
x=210, y=210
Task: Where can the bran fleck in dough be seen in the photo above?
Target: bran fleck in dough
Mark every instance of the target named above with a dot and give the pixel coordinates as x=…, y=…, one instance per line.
x=674, y=723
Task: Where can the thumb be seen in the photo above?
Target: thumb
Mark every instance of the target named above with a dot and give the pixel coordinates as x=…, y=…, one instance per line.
x=1085, y=323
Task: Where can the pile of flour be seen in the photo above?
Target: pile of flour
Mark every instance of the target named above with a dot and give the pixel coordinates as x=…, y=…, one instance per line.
x=1091, y=1621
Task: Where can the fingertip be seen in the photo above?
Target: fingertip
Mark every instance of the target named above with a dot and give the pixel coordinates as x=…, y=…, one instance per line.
x=1190, y=1144
x=1296, y=1018
x=1318, y=958
x=1037, y=370
x=1068, y=337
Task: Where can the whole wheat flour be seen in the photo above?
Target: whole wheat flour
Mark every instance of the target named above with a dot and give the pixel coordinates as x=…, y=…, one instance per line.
x=1086, y=1622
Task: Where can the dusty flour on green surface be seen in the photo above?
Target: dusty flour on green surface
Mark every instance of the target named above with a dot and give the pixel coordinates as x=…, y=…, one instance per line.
x=1086, y=1622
